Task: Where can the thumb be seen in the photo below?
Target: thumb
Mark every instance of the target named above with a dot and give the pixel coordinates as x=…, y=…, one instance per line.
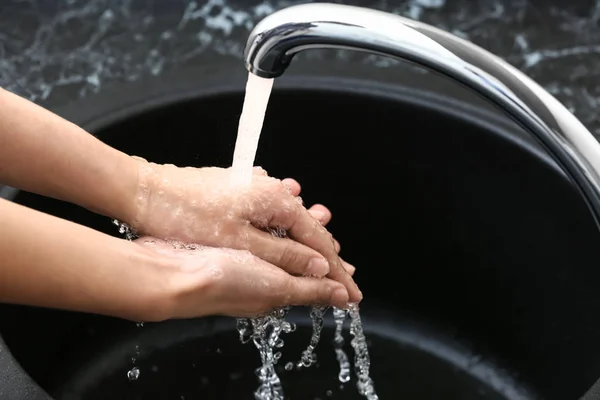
x=316, y=291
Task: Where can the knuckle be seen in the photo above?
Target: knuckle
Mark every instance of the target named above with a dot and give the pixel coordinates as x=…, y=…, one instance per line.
x=285, y=294
x=241, y=240
x=272, y=186
x=287, y=212
x=323, y=293
x=289, y=258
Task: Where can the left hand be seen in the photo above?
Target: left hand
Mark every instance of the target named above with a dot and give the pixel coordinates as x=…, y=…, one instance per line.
x=203, y=281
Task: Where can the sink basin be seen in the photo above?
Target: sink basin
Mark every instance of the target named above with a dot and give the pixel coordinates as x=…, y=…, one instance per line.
x=477, y=258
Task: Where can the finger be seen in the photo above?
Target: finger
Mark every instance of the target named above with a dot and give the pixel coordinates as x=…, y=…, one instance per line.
x=318, y=211
x=293, y=185
x=308, y=231
x=316, y=291
x=321, y=213
x=293, y=257
x=350, y=269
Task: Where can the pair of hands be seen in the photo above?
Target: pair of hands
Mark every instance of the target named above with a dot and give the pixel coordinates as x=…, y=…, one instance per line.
x=224, y=261
x=243, y=271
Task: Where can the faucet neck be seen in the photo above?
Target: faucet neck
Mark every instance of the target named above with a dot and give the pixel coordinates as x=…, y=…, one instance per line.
x=277, y=38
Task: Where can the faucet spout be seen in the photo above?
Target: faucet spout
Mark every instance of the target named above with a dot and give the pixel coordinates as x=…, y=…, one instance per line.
x=277, y=38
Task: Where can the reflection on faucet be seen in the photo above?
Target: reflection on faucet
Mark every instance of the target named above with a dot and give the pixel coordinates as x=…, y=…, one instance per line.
x=277, y=38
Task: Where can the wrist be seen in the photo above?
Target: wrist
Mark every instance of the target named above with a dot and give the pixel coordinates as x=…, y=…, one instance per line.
x=136, y=209
x=154, y=302
x=159, y=202
x=187, y=292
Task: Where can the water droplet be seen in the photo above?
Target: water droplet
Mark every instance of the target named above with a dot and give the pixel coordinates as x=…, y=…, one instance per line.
x=133, y=374
x=308, y=356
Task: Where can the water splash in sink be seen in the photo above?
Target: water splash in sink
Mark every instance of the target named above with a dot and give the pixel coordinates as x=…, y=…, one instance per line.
x=265, y=330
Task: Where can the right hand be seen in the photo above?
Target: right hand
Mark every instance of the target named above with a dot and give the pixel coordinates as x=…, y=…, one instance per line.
x=198, y=205
x=217, y=281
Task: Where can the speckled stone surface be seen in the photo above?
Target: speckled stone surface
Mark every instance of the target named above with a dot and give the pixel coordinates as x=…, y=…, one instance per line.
x=53, y=52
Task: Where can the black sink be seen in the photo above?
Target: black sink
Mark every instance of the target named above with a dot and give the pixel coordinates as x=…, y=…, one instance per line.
x=477, y=258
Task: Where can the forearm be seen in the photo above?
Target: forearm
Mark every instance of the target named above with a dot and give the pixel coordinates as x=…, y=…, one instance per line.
x=50, y=262
x=42, y=153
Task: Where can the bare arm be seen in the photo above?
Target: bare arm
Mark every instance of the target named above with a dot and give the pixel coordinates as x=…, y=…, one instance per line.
x=50, y=262
x=43, y=153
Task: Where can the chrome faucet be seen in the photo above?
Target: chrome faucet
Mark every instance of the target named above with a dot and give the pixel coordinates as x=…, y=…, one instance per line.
x=278, y=37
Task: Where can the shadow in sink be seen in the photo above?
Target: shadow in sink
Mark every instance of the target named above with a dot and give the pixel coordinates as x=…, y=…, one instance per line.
x=477, y=258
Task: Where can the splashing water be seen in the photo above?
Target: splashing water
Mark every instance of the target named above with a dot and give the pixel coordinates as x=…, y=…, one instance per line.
x=265, y=331
x=308, y=356
x=125, y=230
x=362, y=361
x=339, y=316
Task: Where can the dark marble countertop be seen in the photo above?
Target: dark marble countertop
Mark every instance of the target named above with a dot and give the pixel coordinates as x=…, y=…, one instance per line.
x=55, y=52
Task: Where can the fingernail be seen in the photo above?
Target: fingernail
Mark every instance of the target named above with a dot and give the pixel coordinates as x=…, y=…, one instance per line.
x=349, y=267
x=319, y=215
x=339, y=296
x=317, y=267
x=360, y=295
